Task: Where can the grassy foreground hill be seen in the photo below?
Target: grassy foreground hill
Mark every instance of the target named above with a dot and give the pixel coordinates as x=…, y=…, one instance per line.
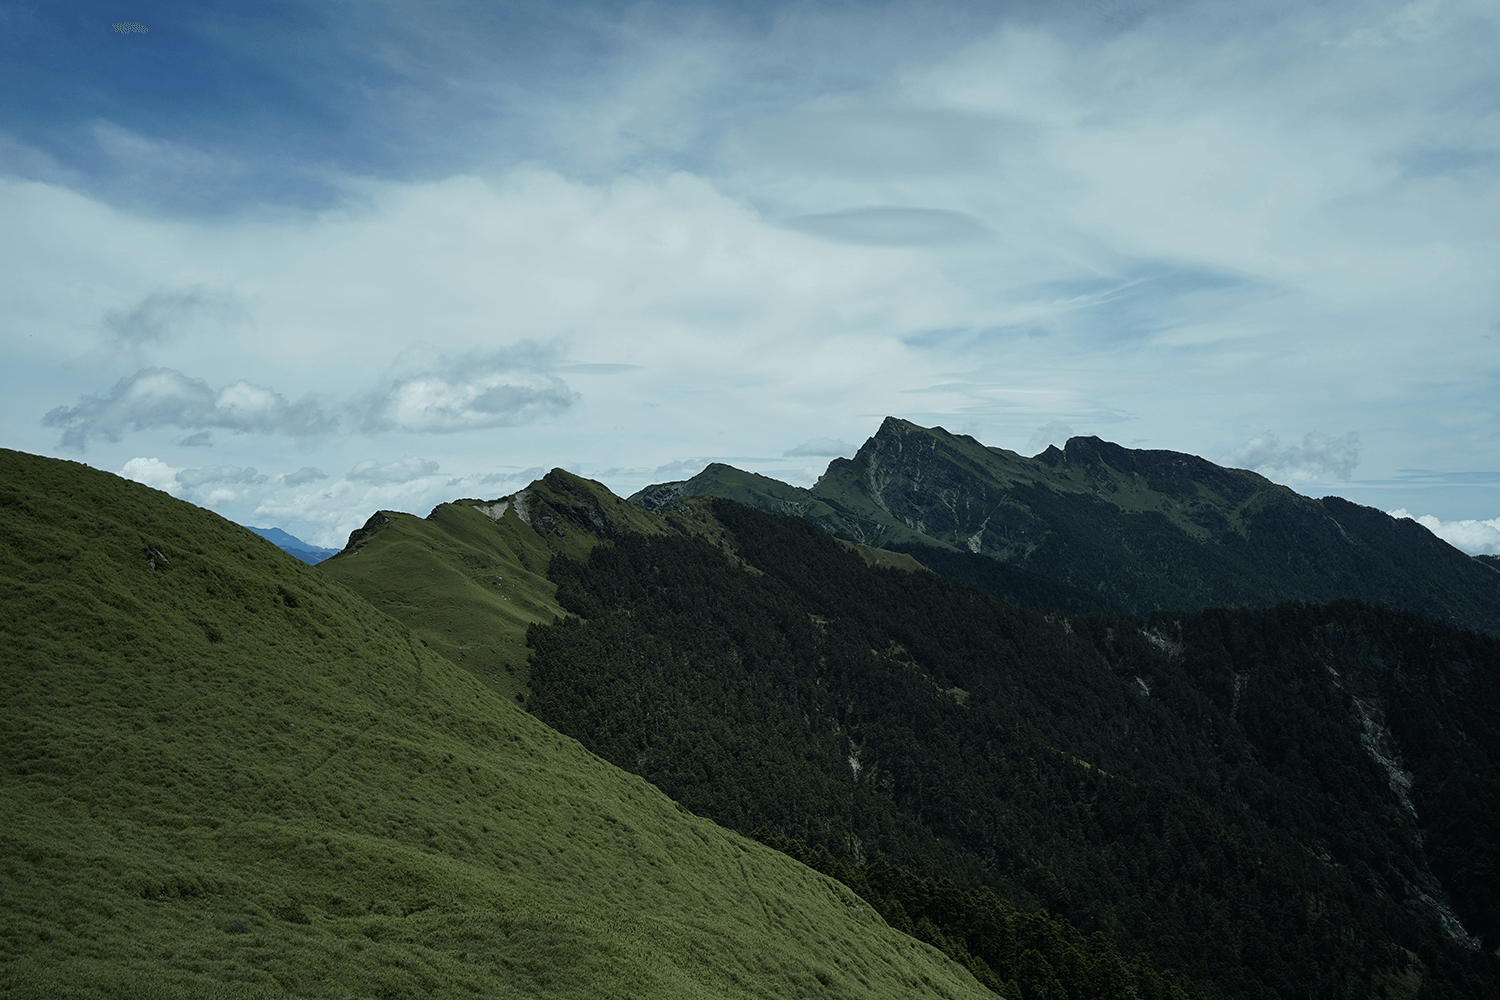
x=224, y=774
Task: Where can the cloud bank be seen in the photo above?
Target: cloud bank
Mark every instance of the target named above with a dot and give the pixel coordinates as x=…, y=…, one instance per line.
x=162, y=397
x=401, y=470
x=1473, y=536
x=1319, y=457
x=505, y=388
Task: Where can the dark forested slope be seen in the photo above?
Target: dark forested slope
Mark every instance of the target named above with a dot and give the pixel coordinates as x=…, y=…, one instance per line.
x=1295, y=801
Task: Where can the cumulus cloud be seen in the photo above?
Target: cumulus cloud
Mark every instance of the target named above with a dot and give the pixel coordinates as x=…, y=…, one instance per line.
x=152, y=472
x=401, y=470
x=1472, y=536
x=1055, y=432
x=1320, y=456
x=503, y=388
x=203, y=439
x=821, y=446
x=163, y=397
x=306, y=474
x=891, y=226
x=162, y=314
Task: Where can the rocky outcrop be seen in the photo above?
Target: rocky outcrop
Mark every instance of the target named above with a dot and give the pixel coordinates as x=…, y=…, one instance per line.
x=359, y=536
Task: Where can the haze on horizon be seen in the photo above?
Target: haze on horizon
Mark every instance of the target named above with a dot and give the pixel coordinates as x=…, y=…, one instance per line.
x=299, y=262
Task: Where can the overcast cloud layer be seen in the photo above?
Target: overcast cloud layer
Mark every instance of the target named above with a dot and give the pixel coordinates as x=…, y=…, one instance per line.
x=303, y=261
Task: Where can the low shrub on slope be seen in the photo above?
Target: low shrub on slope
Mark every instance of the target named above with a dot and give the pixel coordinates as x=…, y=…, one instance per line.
x=223, y=774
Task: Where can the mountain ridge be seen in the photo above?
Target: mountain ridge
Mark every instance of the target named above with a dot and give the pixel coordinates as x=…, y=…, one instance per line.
x=1136, y=529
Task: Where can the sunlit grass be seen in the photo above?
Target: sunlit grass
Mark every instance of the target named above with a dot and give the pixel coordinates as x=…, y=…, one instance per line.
x=230, y=776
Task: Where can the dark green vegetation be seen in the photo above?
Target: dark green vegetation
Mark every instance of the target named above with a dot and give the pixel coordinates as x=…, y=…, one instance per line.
x=223, y=773
x=1138, y=530
x=1271, y=802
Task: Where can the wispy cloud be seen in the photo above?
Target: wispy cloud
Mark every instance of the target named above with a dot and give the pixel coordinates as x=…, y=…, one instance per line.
x=164, y=313
x=303, y=476
x=220, y=474
x=892, y=226
x=1055, y=432
x=821, y=446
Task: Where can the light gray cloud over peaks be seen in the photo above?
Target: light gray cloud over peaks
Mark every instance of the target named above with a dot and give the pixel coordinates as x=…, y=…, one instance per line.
x=163, y=397
x=504, y=388
x=821, y=447
x=401, y=470
x=1055, y=432
x=1321, y=456
x=892, y=226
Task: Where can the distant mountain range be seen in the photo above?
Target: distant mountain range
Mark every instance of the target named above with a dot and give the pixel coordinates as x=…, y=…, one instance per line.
x=292, y=545
x=1133, y=529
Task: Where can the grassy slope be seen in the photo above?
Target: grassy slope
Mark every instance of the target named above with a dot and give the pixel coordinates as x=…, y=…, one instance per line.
x=230, y=776
x=466, y=583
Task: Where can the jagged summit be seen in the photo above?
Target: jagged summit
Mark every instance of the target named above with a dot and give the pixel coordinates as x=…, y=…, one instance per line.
x=1137, y=528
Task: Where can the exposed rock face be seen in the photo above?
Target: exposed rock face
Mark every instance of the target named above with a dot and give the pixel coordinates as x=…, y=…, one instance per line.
x=359, y=536
x=1140, y=529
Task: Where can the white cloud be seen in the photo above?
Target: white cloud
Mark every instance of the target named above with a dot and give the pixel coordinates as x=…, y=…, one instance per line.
x=504, y=388
x=1320, y=457
x=152, y=472
x=1473, y=536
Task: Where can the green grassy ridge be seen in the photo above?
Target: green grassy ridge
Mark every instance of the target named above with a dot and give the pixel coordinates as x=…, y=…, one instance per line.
x=229, y=776
x=470, y=578
x=466, y=583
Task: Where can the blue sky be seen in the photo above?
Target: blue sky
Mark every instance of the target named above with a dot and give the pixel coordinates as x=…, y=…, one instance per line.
x=299, y=261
